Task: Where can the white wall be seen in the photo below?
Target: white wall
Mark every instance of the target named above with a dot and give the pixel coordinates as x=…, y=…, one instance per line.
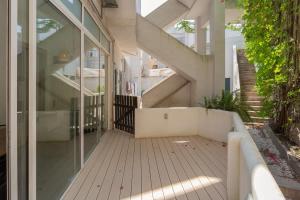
x=231, y=38
x=165, y=122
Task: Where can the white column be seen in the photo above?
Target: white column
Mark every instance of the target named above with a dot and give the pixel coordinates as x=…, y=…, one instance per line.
x=200, y=36
x=217, y=44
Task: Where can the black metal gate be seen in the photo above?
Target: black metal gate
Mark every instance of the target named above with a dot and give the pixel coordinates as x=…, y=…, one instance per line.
x=125, y=113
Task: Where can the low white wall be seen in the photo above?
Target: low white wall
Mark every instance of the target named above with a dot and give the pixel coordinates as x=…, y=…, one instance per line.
x=165, y=122
x=248, y=177
x=247, y=173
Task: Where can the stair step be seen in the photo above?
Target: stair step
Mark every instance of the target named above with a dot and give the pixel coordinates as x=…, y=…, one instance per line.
x=259, y=119
x=254, y=113
x=256, y=108
x=252, y=98
x=253, y=103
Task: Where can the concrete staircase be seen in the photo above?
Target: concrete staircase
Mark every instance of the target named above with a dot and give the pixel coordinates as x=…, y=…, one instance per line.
x=183, y=60
x=172, y=91
x=247, y=75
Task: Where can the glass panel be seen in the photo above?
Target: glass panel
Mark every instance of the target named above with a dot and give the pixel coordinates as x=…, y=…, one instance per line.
x=105, y=42
x=92, y=104
x=22, y=98
x=103, y=66
x=58, y=102
x=91, y=25
x=74, y=6
x=3, y=104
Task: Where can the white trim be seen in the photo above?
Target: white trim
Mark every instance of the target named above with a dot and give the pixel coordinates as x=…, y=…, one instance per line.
x=12, y=102
x=67, y=13
x=32, y=102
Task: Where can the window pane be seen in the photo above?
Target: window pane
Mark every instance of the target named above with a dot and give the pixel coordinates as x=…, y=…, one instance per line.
x=92, y=101
x=58, y=102
x=103, y=67
x=105, y=42
x=91, y=25
x=74, y=6
x=22, y=98
x=3, y=95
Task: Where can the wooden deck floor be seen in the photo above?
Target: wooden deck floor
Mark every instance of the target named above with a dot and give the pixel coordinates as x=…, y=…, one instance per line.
x=162, y=168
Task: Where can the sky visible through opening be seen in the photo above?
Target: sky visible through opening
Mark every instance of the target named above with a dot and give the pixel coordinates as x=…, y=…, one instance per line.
x=147, y=6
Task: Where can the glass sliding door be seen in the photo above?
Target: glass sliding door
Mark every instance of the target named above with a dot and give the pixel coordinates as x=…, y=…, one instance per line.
x=92, y=100
x=58, y=101
x=103, y=67
x=22, y=97
x=3, y=97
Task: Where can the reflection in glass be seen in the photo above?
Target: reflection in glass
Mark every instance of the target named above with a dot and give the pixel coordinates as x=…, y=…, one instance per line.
x=22, y=98
x=92, y=100
x=91, y=25
x=58, y=102
x=3, y=96
x=103, y=67
x=74, y=6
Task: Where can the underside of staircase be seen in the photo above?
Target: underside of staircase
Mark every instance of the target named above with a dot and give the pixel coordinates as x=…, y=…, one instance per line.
x=173, y=91
x=188, y=64
x=249, y=94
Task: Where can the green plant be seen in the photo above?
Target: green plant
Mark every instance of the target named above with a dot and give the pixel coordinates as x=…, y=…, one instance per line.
x=186, y=26
x=273, y=45
x=230, y=102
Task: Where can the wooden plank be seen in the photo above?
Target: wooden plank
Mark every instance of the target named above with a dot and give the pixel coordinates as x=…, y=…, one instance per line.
x=127, y=178
x=115, y=171
x=167, y=186
x=157, y=190
x=105, y=169
x=136, y=184
x=214, y=148
x=206, y=169
x=101, y=163
x=213, y=160
x=146, y=178
x=78, y=183
x=206, y=181
x=193, y=175
x=176, y=183
x=184, y=179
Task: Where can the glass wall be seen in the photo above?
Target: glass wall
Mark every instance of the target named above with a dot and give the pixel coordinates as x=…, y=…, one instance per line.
x=103, y=67
x=92, y=101
x=91, y=25
x=3, y=96
x=74, y=6
x=58, y=102
x=22, y=98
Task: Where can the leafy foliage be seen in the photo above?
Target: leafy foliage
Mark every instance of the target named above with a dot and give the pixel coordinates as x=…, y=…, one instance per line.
x=186, y=26
x=272, y=44
x=229, y=102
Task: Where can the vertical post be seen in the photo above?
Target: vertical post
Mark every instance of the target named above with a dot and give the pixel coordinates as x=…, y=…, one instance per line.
x=12, y=101
x=82, y=109
x=32, y=101
x=200, y=36
x=217, y=42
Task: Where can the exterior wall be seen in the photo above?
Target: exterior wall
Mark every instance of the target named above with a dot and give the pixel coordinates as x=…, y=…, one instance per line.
x=181, y=98
x=232, y=38
x=183, y=121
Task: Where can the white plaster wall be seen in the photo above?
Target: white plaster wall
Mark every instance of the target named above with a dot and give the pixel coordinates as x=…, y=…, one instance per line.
x=183, y=121
x=231, y=38
x=181, y=98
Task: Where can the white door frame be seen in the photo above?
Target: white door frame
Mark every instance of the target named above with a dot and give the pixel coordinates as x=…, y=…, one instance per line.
x=12, y=102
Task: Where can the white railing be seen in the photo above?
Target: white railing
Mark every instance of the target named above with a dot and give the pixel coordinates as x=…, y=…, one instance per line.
x=236, y=76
